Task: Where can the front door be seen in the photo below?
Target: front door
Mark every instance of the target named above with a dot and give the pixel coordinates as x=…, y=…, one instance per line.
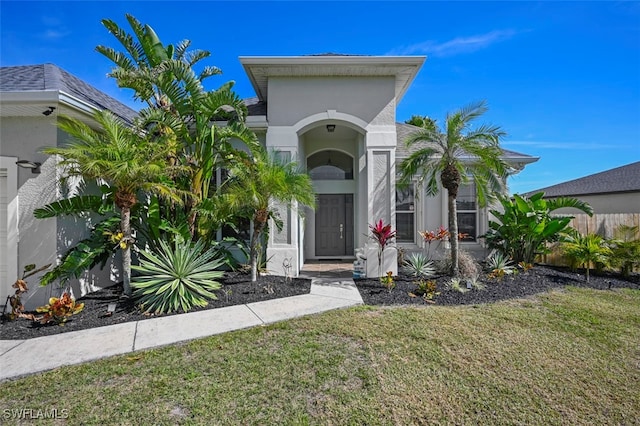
x=334, y=225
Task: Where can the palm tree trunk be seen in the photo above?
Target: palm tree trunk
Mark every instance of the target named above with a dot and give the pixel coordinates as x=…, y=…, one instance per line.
x=453, y=234
x=125, y=223
x=258, y=227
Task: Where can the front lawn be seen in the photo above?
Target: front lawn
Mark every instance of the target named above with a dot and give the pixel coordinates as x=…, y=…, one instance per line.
x=564, y=357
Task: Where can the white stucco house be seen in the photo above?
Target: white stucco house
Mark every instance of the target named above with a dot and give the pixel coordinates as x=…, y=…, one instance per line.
x=334, y=114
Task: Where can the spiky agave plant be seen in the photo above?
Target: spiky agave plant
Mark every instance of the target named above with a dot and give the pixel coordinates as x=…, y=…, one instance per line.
x=177, y=278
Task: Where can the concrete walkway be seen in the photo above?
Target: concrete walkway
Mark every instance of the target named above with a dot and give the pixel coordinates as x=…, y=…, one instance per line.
x=23, y=357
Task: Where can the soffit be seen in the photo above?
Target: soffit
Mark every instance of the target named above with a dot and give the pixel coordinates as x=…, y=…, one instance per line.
x=403, y=68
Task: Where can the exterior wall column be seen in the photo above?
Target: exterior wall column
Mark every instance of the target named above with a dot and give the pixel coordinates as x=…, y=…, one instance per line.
x=380, y=146
x=283, y=247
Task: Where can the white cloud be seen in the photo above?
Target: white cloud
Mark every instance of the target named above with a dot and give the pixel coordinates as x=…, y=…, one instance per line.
x=54, y=34
x=456, y=46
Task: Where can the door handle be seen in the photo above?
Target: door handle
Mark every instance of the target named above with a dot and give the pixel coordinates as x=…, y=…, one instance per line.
x=341, y=229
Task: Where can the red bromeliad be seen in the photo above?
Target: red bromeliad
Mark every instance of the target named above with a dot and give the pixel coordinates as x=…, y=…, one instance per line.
x=382, y=235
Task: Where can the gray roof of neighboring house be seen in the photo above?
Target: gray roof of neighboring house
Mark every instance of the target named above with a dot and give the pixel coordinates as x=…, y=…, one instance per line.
x=43, y=77
x=255, y=106
x=621, y=179
x=403, y=131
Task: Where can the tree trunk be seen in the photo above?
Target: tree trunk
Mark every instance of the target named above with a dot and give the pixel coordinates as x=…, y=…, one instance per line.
x=259, y=222
x=125, y=224
x=453, y=234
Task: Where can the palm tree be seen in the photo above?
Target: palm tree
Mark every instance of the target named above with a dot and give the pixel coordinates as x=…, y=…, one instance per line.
x=257, y=184
x=180, y=111
x=454, y=155
x=123, y=159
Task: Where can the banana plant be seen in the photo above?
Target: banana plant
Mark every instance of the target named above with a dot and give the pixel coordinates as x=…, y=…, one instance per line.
x=524, y=225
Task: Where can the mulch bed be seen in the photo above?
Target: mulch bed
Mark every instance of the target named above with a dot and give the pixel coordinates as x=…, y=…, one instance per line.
x=237, y=289
x=523, y=284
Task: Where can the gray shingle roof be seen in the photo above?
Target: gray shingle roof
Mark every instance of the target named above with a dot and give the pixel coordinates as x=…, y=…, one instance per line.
x=621, y=179
x=255, y=106
x=41, y=77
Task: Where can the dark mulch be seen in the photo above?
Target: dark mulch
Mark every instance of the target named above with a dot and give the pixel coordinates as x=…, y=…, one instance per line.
x=236, y=289
x=523, y=284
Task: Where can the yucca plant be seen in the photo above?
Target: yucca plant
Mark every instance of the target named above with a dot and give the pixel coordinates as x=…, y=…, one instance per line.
x=176, y=278
x=419, y=265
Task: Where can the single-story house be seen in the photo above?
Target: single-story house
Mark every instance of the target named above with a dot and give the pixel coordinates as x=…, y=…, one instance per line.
x=613, y=194
x=335, y=114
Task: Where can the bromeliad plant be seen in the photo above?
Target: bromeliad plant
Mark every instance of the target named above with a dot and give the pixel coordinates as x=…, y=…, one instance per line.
x=382, y=234
x=176, y=278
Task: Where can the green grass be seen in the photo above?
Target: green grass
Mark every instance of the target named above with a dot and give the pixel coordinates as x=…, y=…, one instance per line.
x=569, y=357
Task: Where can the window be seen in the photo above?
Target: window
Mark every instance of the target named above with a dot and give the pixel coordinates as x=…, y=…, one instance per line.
x=330, y=165
x=466, y=203
x=405, y=215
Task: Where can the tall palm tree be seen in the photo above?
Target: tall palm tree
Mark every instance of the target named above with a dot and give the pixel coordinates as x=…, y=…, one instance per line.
x=257, y=184
x=454, y=156
x=123, y=159
x=180, y=111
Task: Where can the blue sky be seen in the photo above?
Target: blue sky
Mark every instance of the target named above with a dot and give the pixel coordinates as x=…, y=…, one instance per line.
x=561, y=78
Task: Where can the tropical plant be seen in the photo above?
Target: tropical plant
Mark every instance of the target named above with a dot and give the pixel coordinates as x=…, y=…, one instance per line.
x=124, y=160
x=15, y=302
x=524, y=225
x=59, y=309
x=256, y=186
x=382, y=235
x=456, y=284
x=428, y=289
x=419, y=265
x=585, y=250
x=179, y=277
x=439, y=235
x=453, y=156
x=626, y=249
x=180, y=113
x=499, y=265
x=387, y=281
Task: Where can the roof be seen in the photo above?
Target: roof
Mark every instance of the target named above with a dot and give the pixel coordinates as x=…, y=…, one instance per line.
x=621, y=179
x=255, y=106
x=260, y=68
x=403, y=131
x=49, y=77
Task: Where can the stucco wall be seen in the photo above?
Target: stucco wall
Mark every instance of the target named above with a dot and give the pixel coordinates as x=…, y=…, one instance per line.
x=370, y=98
x=42, y=241
x=609, y=203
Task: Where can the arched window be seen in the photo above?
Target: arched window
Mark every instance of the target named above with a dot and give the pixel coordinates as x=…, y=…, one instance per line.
x=330, y=165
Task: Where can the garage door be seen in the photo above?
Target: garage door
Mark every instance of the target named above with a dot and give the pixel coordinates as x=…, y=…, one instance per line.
x=5, y=285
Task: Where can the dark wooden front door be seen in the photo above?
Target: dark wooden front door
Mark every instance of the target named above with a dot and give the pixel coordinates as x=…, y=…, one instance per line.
x=334, y=225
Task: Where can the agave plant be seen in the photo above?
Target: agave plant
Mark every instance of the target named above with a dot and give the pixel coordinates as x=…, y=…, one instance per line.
x=419, y=265
x=500, y=265
x=176, y=278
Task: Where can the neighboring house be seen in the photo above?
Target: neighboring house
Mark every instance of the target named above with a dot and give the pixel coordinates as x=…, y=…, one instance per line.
x=31, y=97
x=334, y=114
x=613, y=194
x=612, y=191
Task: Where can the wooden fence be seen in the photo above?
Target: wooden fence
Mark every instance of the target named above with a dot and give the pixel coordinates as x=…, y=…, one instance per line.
x=602, y=224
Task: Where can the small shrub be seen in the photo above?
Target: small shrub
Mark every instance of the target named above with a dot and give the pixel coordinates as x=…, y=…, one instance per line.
x=456, y=284
x=467, y=265
x=626, y=249
x=476, y=284
x=388, y=282
x=59, y=310
x=418, y=265
x=525, y=266
x=427, y=289
x=15, y=301
x=176, y=278
x=586, y=249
